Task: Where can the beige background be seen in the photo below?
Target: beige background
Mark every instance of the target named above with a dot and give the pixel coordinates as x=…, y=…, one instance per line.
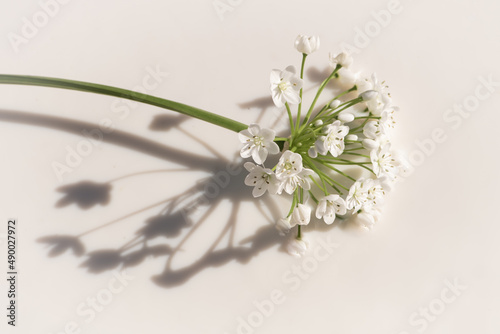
x=439, y=227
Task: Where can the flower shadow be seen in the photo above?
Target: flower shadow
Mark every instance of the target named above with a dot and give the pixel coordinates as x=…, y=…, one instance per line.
x=164, y=234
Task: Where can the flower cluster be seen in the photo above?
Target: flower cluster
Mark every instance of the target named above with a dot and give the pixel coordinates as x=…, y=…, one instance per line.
x=337, y=160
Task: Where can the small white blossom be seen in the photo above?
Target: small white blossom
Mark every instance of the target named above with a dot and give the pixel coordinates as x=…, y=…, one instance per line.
x=285, y=86
x=358, y=195
x=329, y=206
x=368, y=217
x=347, y=78
x=291, y=173
x=258, y=143
x=374, y=130
x=333, y=141
x=290, y=163
x=375, y=193
x=297, y=247
x=301, y=215
x=380, y=102
x=283, y=225
x=383, y=162
x=291, y=182
x=307, y=44
x=261, y=179
x=343, y=59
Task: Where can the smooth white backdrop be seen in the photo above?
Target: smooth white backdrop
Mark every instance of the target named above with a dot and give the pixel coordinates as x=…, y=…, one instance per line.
x=439, y=226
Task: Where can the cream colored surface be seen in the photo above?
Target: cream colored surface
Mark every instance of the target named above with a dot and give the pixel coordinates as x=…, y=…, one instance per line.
x=440, y=226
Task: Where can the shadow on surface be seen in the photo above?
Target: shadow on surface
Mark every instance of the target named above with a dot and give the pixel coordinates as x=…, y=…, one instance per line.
x=179, y=217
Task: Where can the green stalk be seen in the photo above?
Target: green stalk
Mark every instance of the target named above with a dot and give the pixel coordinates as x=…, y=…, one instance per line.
x=125, y=94
x=304, y=55
x=320, y=90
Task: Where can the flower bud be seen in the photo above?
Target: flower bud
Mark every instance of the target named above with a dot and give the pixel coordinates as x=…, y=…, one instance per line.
x=301, y=215
x=283, y=225
x=334, y=104
x=369, y=95
x=370, y=144
x=307, y=44
x=313, y=153
x=297, y=247
x=346, y=117
x=351, y=137
x=318, y=123
x=343, y=59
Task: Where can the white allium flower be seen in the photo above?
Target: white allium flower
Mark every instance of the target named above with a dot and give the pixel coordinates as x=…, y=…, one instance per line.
x=297, y=247
x=333, y=140
x=261, y=179
x=285, y=86
x=301, y=215
x=290, y=163
x=343, y=59
x=383, y=162
x=358, y=194
x=368, y=217
x=375, y=193
x=346, y=78
x=283, y=225
x=291, y=182
x=329, y=206
x=307, y=44
x=387, y=119
x=258, y=143
x=291, y=173
x=374, y=130
x=382, y=100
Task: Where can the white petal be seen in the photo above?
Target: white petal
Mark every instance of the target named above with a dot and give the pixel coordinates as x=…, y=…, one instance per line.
x=275, y=76
x=259, y=155
x=254, y=129
x=273, y=148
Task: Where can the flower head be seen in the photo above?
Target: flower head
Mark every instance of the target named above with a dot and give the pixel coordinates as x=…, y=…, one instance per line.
x=329, y=206
x=285, y=87
x=258, y=143
x=307, y=44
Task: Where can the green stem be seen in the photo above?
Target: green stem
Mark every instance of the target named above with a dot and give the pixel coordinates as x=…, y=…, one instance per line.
x=304, y=56
x=125, y=94
x=320, y=90
x=289, y=117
